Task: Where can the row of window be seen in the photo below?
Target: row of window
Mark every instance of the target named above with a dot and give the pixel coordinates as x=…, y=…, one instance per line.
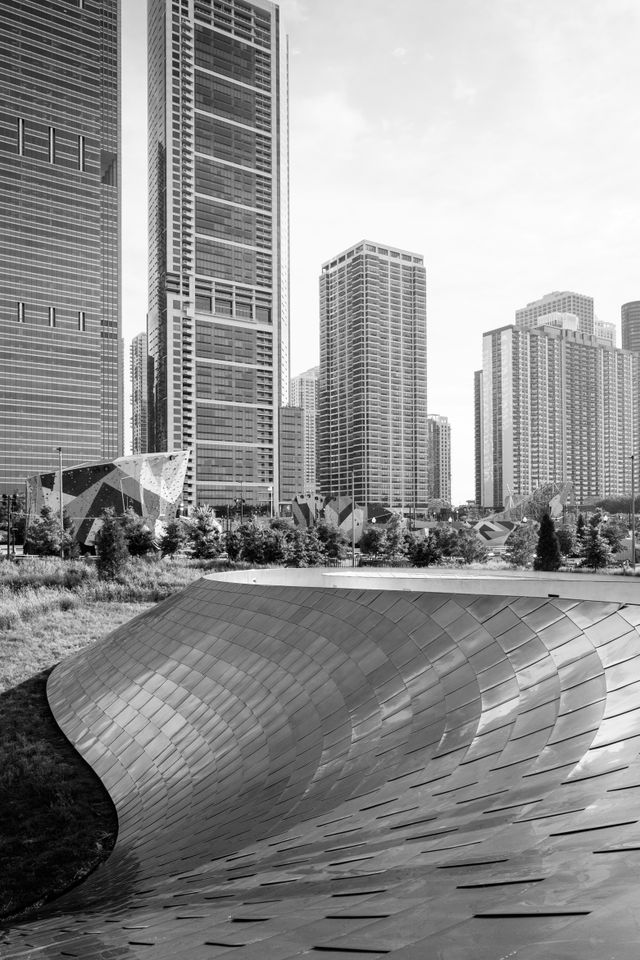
x=51, y=143
x=22, y=316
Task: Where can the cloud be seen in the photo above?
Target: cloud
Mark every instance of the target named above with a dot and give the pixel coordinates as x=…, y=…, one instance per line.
x=464, y=92
x=399, y=52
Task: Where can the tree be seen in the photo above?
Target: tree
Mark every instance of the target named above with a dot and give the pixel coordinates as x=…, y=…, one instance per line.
x=548, y=549
x=233, y=544
x=521, y=546
x=371, y=540
x=333, y=540
x=392, y=544
x=567, y=540
x=297, y=553
x=424, y=551
x=614, y=532
x=469, y=548
x=316, y=553
x=204, y=533
x=138, y=537
x=43, y=536
x=173, y=538
x=596, y=551
x=580, y=532
x=111, y=546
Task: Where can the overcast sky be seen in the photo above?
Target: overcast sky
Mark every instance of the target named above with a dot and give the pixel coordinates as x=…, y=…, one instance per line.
x=499, y=138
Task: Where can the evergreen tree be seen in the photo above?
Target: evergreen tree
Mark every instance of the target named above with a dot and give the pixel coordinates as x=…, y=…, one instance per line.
x=297, y=554
x=548, y=549
x=111, y=547
x=204, y=533
x=596, y=551
x=316, y=553
x=43, y=536
x=567, y=540
x=392, y=544
x=521, y=546
x=173, y=538
x=580, y=532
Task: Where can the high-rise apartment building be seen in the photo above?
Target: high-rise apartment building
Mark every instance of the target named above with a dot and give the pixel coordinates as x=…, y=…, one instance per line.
x=605, y=332
x=439, y=440
x=560, y=301
x=61, y=382
x=304, y=393
x=373, y=376
x=139, y=394
x=555, y=405
x=218, y=301
x=291, y=454
x=631, y=326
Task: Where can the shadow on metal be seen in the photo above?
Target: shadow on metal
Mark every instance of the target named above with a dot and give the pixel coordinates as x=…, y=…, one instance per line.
x=358, y=771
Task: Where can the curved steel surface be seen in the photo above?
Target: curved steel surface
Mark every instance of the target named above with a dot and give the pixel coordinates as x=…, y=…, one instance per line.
x=358, y=771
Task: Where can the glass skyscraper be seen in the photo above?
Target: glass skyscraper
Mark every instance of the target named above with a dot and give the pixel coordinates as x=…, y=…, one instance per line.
x=218, y=275
x=373, y=376
x=60, y=348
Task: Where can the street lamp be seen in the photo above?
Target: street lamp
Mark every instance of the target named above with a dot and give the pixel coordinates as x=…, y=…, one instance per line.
x=633, y=514
x=270, y=489
x=59, y=449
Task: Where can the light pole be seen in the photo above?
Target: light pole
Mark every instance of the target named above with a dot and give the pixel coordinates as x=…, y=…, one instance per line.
x=633, y=514
x=59, y=449
x=353, y=519
x=270, y=489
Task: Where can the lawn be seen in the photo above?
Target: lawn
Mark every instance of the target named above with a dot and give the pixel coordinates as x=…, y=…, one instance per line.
x=57, y=822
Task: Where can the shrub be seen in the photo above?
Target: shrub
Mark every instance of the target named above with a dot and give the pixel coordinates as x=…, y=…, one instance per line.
x=111, y=547
x=332, y=539
x=204, y=533
x=173, y=538
x=44, y=536
x=521, y=546
x=137, y=535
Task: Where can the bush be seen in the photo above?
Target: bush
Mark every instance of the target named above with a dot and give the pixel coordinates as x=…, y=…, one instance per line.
x=204, y=533
x=521, y=546
x=44, y=537
x=173, y=538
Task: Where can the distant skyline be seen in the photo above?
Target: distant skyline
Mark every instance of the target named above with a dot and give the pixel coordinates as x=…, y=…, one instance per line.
x=499, y=140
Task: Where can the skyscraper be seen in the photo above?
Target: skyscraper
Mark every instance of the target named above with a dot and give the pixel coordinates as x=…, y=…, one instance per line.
x=61, y=382
x=560, y=301
x=605, y=332
x=218, y=275
x=439, y=435
x=373, y=376
x=631, y=326
x=555, y=405
x=304, y=393
x=139, y=394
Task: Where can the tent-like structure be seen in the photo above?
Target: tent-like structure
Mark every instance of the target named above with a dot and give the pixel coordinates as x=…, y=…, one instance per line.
x=149, y=483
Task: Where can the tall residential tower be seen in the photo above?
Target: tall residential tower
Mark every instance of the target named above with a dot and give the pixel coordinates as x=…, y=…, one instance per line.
x=61, y=382
x=373, y=376
x=439, y=434
x=304, y=393
x=218, y=273
x=558, y=302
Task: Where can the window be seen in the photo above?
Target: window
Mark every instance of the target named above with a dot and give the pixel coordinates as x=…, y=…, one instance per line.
x=21, y=312
x=52, y=145
x=52, y=316
x=20, y=137
x=81, y=153
x=82, y=321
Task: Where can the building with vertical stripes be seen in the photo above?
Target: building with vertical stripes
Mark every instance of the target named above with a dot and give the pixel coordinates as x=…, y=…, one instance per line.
x=553, y=405
x=61, y=376
x=439, y=458
x=218, y=243
x=630, y=316
x=372, y=420
x=139, y=365
x=304, y=393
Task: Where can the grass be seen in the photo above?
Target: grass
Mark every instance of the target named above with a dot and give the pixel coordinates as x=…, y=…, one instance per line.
x=57, y=822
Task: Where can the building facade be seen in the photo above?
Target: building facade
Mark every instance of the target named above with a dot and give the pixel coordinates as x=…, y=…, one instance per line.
x=218, y=274
x=304, y=393
x=630, y=316
x=439, y=460
x=372, y=419
x=605, y=332
x=560, y=301
x=61, y=377
x=291, y=459
x=554, y=405
x=139, y=365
